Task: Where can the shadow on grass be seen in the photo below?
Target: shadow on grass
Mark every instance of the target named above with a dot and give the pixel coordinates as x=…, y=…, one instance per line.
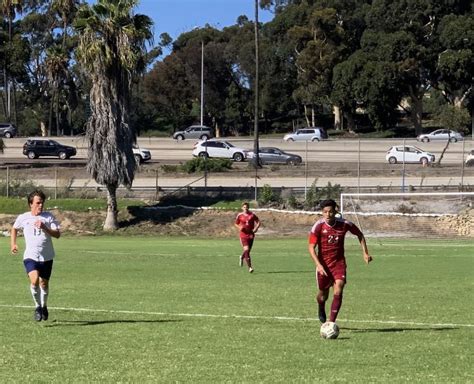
x=398, y=329
x=81, y=323
x=312, y=271
x=169, y=209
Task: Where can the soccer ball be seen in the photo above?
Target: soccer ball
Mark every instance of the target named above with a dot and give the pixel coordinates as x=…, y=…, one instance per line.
x=329, y=330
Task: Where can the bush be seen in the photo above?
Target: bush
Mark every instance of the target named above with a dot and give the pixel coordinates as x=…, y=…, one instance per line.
x=199, y=164
x=314, y=195
x=267, y=196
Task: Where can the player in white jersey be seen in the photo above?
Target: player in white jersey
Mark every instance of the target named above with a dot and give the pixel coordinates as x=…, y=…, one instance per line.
x=38, y=228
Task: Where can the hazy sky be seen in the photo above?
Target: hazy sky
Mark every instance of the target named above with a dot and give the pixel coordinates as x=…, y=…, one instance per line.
x=178, y=16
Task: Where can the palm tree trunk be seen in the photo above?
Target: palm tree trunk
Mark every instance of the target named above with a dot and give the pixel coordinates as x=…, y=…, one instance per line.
x=111, y=220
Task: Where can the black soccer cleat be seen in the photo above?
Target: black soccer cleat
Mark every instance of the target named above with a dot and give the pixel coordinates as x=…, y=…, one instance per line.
x=321, y=314
x=38, y=316
x=44, y=313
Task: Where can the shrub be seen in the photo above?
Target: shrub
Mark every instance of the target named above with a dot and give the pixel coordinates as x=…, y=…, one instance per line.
x=199, y=164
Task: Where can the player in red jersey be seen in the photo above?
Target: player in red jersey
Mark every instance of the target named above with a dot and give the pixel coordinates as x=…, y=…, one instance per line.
x=328, y=235
x=247, y=223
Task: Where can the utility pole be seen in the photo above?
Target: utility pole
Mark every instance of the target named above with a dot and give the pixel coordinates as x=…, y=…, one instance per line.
x=256, y=157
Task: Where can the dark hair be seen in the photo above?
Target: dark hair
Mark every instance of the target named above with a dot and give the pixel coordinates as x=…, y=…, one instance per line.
x=328, y=203
x=36, y=192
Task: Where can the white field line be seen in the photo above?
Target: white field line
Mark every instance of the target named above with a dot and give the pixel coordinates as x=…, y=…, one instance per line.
x=250, y=317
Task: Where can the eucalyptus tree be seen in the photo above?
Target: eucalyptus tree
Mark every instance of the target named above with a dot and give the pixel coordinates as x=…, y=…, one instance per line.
x=9, y=9
x=413, y=28
x=111, y=51
x=456, y=60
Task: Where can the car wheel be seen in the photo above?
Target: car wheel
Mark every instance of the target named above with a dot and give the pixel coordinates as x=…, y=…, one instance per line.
x=204, y=137
x=392, y=160
x=180, y=137
x=138, y=159
x=470, y=163
x=314, y=139
x=203, y=155
x=425, y=140
x=238, y=157
x=291, y=162
x=62, y=155
x=31, y=155
x=8, y=135
x=453, y=139
x=290, y=139
x=424, y=161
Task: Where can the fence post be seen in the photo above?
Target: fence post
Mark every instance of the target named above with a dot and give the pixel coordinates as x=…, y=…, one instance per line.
x=157, y=188
x=8, y=181
x=55, y=183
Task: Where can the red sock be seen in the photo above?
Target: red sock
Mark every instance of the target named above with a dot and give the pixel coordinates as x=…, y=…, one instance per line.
x=335, y=307
x=246, y=257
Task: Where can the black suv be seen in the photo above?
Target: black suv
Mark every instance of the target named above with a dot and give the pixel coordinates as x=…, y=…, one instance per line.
x=8, y=130
x=35, y=148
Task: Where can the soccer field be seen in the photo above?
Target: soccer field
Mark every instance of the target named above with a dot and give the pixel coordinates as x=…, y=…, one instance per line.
x=162, y=310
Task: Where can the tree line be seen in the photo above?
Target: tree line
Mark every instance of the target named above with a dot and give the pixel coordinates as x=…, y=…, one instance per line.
x=343, y=64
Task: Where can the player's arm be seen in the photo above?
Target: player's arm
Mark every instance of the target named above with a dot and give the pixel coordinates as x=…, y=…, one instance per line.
x=257, y=225
x=312, y=251
x=13, y=236
x=50, y=231
x=238, y=225
x=365, y=250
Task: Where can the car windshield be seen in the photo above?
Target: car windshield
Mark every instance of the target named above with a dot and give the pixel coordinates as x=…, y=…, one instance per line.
x=229, y=144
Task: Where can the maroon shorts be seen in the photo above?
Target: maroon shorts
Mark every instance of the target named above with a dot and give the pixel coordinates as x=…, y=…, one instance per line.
x=337, y=271
x=246, y=241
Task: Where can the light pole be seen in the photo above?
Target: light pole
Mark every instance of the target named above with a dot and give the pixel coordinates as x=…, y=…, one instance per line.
x=256, y=158
x=202, y=82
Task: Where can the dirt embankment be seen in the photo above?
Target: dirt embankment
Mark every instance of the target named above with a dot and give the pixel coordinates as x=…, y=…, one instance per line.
x=219, y=223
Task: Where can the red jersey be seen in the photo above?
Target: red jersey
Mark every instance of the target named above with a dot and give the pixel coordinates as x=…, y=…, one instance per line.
x=330, y=239
x=248, y=220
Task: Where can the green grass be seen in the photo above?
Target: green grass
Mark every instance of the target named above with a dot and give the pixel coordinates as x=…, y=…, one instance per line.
x=145, y=310
x=9, y=205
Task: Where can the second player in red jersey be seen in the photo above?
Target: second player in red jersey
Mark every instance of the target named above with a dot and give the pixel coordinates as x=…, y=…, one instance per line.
x=327, y=235
x=247, y=223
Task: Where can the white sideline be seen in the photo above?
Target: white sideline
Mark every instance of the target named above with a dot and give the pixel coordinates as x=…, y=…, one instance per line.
x=251, y=317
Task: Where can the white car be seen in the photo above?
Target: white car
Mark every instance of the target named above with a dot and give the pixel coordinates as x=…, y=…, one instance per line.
x=307, y=134
x=408, y=154
x=470, y=159
x=217, y=148
x=141, y=154
x=441, y=134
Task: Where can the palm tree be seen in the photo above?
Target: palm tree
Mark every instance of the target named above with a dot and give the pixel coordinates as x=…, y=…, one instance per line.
x=111, y=50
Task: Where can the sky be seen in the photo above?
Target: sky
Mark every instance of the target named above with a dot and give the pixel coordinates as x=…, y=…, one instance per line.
x=177, y=16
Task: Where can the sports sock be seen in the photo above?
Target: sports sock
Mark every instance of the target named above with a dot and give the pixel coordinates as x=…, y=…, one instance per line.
x=246, y=256
x=44, y=296
x=335, y=307
x=35, y=292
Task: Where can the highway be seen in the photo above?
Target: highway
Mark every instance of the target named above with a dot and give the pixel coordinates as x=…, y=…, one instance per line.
x=335, y=154
x=347, y=150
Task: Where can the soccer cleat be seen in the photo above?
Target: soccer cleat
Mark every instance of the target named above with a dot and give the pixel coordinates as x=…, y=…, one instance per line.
x=45, y=313
x=38, y=314
x=321, y=314
x=250, y=269
x=241, y=261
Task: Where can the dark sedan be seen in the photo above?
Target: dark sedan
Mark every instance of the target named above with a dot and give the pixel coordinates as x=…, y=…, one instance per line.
x=272, y=155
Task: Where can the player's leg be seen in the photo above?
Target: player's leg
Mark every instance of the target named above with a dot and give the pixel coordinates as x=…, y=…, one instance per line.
x=337, y=299
x=33, y=275
x=249, y=259
x=44, y=276
x=324, y=283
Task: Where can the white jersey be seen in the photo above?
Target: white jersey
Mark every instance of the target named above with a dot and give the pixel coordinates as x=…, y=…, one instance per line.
x=39, y=245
